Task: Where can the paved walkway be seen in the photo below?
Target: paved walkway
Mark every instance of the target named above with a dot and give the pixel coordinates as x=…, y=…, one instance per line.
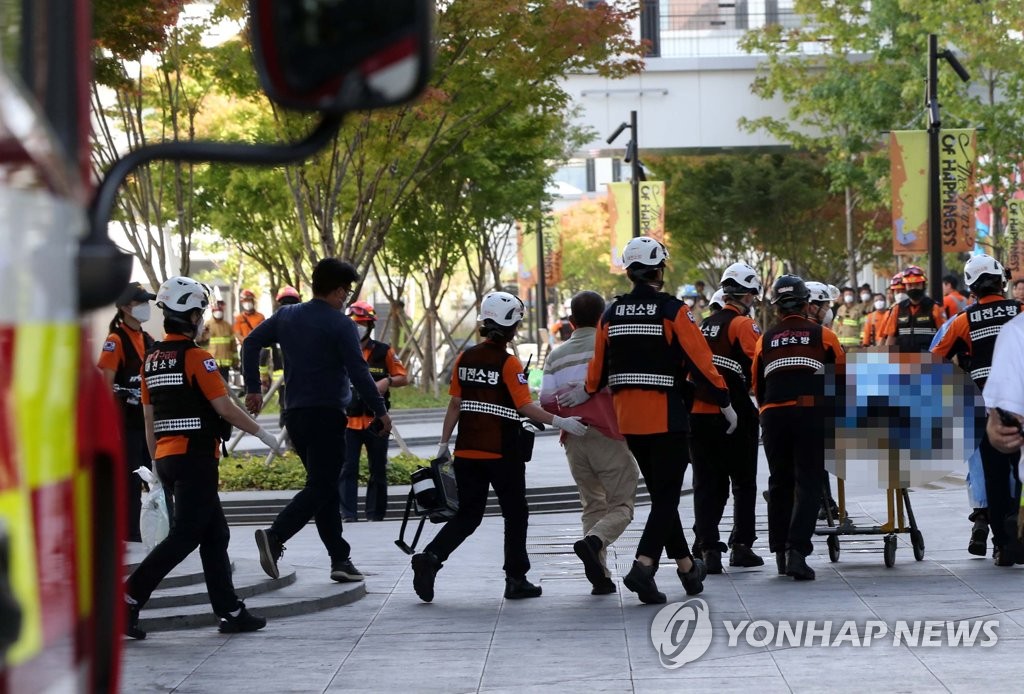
x=470, y=639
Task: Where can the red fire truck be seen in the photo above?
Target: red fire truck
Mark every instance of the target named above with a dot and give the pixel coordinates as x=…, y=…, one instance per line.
x=61, y=517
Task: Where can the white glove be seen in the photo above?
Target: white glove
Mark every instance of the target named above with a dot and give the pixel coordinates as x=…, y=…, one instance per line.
x=575, y=396
x=269, y=439
x=570, y=425
x=730, y=417
x=443, y=452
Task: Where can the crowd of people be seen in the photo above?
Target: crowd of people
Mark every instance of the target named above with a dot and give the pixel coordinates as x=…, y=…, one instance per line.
x=639, y=386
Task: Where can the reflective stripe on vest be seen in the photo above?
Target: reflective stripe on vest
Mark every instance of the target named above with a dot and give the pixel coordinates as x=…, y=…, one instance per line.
x=727, y=363
x=164, y=426
x=157, y=381
x=981, y=373
x=635, y=329
x=488, y=408
x=982, y=333
x=793, y=361
x=641, y=379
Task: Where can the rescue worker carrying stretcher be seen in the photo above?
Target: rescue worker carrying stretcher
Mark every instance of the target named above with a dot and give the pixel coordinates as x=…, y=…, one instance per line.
x=490, y=396
x=720, y=458
x=788, y=380
x=647, y=344
x=972, y=333
x=914, y=321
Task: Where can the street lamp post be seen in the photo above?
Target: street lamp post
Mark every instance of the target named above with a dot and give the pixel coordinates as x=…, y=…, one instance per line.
x=633, y=159
x=934, y=183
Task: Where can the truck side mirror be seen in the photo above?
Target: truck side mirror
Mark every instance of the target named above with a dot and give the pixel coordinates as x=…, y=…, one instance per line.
x=341, y=55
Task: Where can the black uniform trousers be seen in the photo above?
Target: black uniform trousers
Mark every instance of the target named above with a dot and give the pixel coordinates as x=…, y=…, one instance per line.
x=198, y=522
x=318, y=437
x=377, y=486
x=662, y=459
x=718, y=460
x=794, y=443
x=136, y=453
x=473, y=477
x=1002, y=487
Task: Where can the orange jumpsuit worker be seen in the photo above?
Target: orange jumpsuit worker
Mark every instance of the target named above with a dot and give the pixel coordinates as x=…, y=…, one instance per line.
x=647, y=344
x=973, y=333
x=787, y=379
x=914, y=321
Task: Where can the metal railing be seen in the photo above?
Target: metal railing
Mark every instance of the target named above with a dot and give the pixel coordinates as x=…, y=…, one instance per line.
x=708, y=33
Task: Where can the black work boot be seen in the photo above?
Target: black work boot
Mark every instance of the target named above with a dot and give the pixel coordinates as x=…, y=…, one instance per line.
x=605, y=586
x=588, y=550
x=240, y=621
x=270, y=549
x=424, y=568
x=979, y=533
x=519, y=588
x=693, y=580
x=780, y=562
x=743, y=556
x=640, y=580
x=712, y=561
x=796, y=566
x=131, y=625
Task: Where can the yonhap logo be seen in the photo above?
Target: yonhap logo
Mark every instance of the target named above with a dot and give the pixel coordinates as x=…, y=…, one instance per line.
x=681, y=632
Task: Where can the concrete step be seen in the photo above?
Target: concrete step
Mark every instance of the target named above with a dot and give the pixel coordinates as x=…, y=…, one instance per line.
x=308, y=590
x=187, y=573
x=249, y=579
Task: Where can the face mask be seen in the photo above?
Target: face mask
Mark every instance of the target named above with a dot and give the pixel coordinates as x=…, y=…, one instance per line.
x=246, y=305
x=848, y=298
x=141, y=312
x=864, y=298
x=363, y=330
x=218, y=314
x=879, y=305
x=827, y=320
x=900, y=296
x=915, y=294
x=688, y=302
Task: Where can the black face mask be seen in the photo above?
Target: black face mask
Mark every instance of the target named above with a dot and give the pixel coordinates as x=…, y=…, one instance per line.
x=915, y=294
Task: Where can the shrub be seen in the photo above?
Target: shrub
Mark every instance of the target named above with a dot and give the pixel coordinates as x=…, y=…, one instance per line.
x=241, y=472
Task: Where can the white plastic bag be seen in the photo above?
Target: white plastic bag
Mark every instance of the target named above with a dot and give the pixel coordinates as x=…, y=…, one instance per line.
x=154, y=523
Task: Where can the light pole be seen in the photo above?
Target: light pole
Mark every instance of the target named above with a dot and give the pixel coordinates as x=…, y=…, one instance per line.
x=633, y=159
x=931, y=102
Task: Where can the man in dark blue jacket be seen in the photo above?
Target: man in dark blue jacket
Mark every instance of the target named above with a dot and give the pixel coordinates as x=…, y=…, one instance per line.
x=321, y=354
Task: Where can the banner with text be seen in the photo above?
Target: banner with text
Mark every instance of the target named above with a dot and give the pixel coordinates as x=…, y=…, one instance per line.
x=527, y=254
x=908, y=157
x=620, y=215
x=1015, y=237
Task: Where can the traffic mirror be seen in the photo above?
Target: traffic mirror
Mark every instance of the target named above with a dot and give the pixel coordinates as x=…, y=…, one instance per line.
x=341, y=55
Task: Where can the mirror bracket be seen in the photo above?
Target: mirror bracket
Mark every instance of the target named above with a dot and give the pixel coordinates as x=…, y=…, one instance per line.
x=104, y=269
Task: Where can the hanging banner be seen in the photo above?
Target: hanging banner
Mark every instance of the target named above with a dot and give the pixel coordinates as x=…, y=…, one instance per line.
x=908, y=158
x=526, y=256
x=958, y=162
x=1015, y=237
x=552, y=249
x=620, y=214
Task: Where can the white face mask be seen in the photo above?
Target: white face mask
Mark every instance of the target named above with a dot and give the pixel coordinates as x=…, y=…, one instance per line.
x=848, y=298
x=141, y=312
x=688, y=302
x=218, y=314
x=865, y=297
x=246, y=305
x=879, y=305
x=901, y=296
x=827, y=319
x=363, y=330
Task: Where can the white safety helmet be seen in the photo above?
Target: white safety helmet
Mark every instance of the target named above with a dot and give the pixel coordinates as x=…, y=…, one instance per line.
x=181, y=295
x=643, y=251
x=819, y=292
x=717, y=299
x=501, y=308
x=740, y=278
x=833, y=292
x=981, y=265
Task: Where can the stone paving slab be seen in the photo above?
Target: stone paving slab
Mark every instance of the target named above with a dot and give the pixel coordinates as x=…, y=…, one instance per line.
x=472, y=640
